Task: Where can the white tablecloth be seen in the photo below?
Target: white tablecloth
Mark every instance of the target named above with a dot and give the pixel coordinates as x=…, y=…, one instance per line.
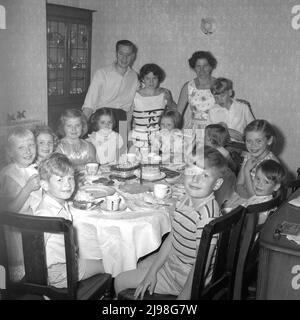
x=120, y=238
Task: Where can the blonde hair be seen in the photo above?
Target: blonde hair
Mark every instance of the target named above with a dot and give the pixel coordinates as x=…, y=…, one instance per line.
x=71, y=113
x=16, y=133
x=55, y=164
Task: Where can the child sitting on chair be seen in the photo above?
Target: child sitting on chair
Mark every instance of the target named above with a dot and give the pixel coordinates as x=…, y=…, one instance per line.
x=169, y=140
x=46, y=142
x=72, y=127
x=171, y=270
x=267, y=182
x=19, y=180
x=106, y=141
x=217, y=136
x=57, y=180
x=260, y=138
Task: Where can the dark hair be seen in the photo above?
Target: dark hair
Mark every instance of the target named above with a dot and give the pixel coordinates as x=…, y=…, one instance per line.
x=93, y=122
x=272, y=170
x=55, y=164
x=126, y=43
x=221, y=85
x=263, y=126
x=217, y=134
x=71, y=113
x=175, y=116
x=39, y=129
x=213, y=159
x=212, y=61
x=155, y=69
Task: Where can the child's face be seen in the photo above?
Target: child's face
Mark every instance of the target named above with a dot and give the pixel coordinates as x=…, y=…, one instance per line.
x=105, y=122
x=44, y=143
x=151, y=81
x=262, y=185
x=73, y=128
x=257, y=143
x=23, y=150
x=167, y=123
x=199, y=182
x=60, y=188
x=224, y=99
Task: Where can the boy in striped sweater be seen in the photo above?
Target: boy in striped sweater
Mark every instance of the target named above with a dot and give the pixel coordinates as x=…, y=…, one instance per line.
x=171, y=270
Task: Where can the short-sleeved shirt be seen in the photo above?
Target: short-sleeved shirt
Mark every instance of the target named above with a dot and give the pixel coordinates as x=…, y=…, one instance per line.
x=237, y=117
x=187, y=227
x=111, y=89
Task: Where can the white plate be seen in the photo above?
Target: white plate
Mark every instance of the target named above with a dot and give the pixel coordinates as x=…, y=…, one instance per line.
x=98, y=191
x=175, y=167
x=162, y=176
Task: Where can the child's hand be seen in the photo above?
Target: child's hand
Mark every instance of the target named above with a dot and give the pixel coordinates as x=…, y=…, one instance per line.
x=250, y=164
x=149, y=283
x=33, y=183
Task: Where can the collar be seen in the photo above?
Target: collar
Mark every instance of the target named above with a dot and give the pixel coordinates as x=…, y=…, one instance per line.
x=58, y=207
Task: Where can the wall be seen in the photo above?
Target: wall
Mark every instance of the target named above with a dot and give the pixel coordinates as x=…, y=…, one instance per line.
x=254, y=43
x=23, y=59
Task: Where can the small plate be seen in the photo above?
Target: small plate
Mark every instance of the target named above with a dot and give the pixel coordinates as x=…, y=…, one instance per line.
x=162, y=176
x=98, y=191
x=103, y=207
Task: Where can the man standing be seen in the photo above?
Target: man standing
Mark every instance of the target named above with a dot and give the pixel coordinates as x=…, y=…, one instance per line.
x=114, y=86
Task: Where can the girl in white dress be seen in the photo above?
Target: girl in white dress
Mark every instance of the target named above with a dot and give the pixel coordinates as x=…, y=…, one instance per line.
x=106, y=141
x=149, y=103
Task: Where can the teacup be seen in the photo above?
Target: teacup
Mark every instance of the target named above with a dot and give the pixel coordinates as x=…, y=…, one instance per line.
x=153, y=158
x=131, y=157
x=92, y=168
x=113, y=202
x=161, y=190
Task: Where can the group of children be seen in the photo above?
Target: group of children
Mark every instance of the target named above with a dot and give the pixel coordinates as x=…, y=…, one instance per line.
x=40, y=179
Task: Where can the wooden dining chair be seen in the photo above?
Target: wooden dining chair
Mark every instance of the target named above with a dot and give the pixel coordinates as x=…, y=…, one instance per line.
x=228, y=230
x=34, y=281
x=246, y=271
x=247, y=103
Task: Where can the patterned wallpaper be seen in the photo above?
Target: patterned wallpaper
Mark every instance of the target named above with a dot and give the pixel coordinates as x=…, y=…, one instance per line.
x=254, y=43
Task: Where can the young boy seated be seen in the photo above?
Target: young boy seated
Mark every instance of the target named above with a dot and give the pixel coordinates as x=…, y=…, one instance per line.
x=57, y=180
x=171, y=270
x=266, y=184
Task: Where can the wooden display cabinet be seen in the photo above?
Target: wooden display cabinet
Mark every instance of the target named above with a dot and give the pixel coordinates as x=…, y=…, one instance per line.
x=69, y=33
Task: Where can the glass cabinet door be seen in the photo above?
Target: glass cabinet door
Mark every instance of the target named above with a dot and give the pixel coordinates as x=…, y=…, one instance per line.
x=69, y=35
x=79, y=53
x=56, y=53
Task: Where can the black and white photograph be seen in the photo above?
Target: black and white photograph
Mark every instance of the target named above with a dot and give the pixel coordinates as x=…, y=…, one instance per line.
x=149, y=151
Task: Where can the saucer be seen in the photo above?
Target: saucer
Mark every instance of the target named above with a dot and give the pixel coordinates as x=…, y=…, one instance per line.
x=161, y=177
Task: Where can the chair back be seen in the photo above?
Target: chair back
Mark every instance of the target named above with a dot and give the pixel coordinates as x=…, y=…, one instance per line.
x=31, y=229
x=228, y=230
x=249, y=246
x=246, y=103
x=290, y=187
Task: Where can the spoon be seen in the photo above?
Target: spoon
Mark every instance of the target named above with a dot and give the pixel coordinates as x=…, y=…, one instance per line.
x=96, y=204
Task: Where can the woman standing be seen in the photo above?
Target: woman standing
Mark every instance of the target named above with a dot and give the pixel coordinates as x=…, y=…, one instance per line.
x=197, y=91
